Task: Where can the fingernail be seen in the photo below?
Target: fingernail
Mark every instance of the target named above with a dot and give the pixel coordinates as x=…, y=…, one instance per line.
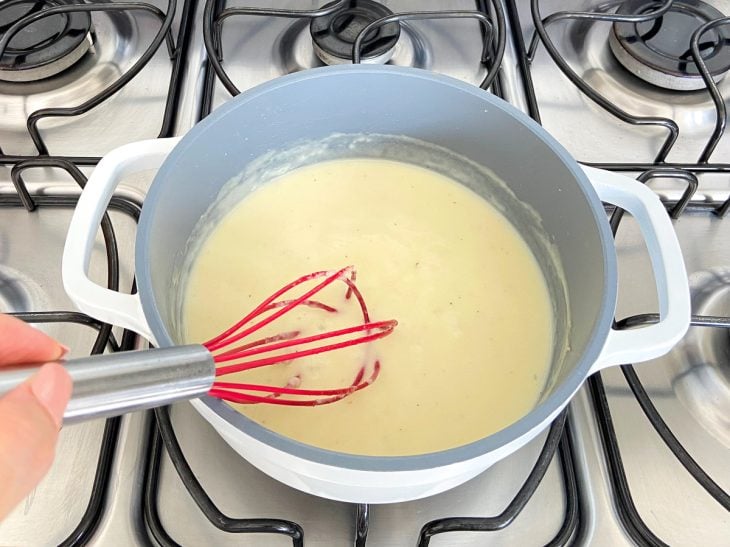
x=65, y=350
x=50, y=387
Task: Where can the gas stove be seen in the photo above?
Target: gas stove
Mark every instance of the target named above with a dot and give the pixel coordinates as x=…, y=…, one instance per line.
x=641, y=455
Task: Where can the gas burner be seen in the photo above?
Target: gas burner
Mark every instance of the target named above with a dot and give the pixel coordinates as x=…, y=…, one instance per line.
x=44, y=48
x=333, y=35
x=658, y=51
x=702, y=360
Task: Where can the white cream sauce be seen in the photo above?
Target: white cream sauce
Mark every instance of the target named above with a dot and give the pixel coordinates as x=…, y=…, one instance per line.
x=473, y=347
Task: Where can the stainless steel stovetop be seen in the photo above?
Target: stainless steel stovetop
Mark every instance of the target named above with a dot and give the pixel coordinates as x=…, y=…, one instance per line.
x=116, y=483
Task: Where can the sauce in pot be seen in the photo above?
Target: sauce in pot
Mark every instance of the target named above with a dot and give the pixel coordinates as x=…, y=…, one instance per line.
x=473, y=346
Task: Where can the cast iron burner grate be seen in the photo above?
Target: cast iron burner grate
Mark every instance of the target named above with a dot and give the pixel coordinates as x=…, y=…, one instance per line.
x=27, y=14
x=45, y=47
x=685, y=172
x=96, y=506
x=658, y=50
x=334, y=34
x=350, y=19
x=557, y=444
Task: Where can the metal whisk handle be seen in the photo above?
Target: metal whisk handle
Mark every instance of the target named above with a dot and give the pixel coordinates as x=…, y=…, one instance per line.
x=114, y=384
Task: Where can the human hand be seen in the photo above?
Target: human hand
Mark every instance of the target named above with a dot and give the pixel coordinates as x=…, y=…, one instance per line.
x=31, y=414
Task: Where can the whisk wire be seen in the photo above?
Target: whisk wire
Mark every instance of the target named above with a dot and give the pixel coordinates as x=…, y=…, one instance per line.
x=230, y=335
x=384, y=328
x=241, y=392
x=331, y=395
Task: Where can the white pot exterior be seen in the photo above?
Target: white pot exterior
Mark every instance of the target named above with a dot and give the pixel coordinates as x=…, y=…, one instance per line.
x=356, y=486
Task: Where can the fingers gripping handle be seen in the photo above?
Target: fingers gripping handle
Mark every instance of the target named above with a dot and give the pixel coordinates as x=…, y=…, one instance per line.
x=650, y=342
x=124, y=310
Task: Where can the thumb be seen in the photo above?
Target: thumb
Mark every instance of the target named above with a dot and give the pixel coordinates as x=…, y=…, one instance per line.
x=30, y=418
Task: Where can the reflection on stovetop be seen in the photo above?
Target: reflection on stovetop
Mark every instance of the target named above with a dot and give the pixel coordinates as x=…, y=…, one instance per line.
x=701, y=362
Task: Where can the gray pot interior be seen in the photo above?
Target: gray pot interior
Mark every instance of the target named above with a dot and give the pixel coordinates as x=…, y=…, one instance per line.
x=498, y=142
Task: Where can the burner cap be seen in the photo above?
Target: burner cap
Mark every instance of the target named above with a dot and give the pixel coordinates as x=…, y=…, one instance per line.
x=333, y=35
x=46, y=47
x=658, y=51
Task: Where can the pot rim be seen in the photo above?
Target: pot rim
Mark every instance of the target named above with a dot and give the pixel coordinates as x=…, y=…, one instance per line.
x=539, y=416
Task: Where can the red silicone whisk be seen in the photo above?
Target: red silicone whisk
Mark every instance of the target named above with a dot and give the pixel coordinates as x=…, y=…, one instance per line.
x=239, y=355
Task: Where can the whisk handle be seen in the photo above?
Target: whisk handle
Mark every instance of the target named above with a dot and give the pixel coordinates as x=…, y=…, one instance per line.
x=114, y=384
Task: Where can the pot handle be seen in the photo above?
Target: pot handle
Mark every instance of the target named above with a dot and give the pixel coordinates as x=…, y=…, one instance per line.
x=650, y=342
x=123, y=310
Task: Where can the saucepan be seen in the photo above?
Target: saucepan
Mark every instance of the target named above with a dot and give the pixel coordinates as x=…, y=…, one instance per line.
x=416, y=104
